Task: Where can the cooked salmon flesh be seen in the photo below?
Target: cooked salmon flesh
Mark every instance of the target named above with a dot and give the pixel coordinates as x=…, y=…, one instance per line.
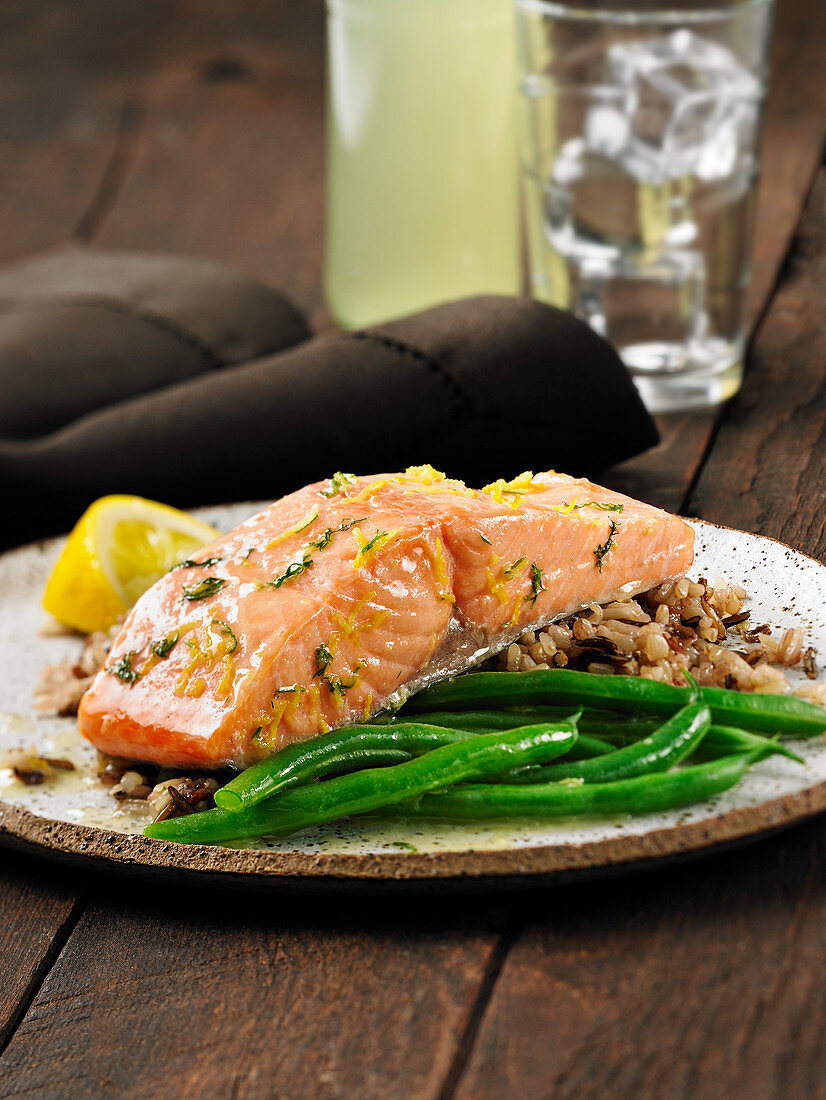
x=348, y=595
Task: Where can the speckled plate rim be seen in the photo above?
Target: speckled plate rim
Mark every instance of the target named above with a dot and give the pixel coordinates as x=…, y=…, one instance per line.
x=98, y=849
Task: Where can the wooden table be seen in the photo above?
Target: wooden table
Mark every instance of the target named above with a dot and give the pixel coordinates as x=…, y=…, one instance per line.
x=197, y=127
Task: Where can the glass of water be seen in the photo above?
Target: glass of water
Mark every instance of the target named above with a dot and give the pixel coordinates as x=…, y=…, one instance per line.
x=640, y=130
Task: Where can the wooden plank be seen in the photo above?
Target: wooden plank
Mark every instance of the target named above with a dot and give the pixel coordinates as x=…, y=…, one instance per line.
x=701, y=981
x=230, y=159
x=38, y=913
x=767, y=471
x=720, y=961
x=662, y=475
x=221, y=103
x=59, y=124
x=193, y=995
x=793, y=140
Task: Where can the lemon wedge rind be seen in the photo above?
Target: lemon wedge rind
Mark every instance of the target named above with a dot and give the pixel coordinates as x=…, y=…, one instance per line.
x=117, y=549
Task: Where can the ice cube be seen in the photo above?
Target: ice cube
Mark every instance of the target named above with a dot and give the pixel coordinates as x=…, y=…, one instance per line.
x=607, y=129
x=591, y=205
x=644, y=162
x=727, y=141
x=692, y=106
x=569, y=164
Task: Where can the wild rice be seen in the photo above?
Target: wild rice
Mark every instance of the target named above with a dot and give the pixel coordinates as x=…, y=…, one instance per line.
x=61, y=686
x=682, y=625
x=183, y=795
x=33, y=769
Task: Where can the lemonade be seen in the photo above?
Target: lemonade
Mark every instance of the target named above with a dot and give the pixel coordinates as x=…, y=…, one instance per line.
x=422, y=187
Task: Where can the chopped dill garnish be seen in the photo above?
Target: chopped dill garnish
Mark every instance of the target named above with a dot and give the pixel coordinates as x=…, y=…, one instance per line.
x=295, y=569
x=510, y=570
x=374, y=541
x=338, y=482
x=367, y=548
x=245, y=557
x=574, y=506
x=122, y=668
x=338, y=686
x=203, y=589
x=227, y=629
x=603, y=549
x=164, y=646
x=482, y=537
x=323, y=540
x=190, y=564
x=326, y=536
x=403, y=844
x=323, y=660
x=537, y=584
x=287, y=690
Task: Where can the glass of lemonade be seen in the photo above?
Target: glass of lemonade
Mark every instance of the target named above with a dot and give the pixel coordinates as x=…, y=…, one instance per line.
x=422, y=173
x=639, y=137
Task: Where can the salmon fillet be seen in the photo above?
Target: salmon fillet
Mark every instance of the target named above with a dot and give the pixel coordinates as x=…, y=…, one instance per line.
x=352, y=593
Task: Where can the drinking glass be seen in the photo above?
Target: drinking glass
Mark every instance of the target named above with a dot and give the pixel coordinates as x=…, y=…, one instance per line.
x=639, y=139
x=422, y=173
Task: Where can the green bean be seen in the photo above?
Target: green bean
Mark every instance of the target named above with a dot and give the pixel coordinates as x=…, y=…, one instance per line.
x=719, y=741
x=611, y=729
x=642, y=794
x=483, y=719
x=725, y=740
x=596, y=722
x=586, y=747
x=352, y=748
x=476, y=758
x=668, y=745
x=356, y=747
x=756, y=713
x=345, y=749
x=582, y=749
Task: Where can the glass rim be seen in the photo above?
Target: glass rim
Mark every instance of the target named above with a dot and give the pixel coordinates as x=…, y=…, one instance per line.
x=569, y=9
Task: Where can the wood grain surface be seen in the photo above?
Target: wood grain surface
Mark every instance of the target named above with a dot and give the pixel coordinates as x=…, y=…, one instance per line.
x=702, y=981
x=196, y=126
x=37, y=918
x=226, y=997
x=767, y=470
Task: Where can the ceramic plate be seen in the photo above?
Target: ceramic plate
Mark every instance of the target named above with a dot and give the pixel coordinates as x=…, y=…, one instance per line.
x=74, y=818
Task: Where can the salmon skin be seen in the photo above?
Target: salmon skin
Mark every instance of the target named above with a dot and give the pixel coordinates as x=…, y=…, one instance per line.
x=345, y=597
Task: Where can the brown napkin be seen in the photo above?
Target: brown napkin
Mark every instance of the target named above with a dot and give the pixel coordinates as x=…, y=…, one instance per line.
x=81, y=329
x=482, y=388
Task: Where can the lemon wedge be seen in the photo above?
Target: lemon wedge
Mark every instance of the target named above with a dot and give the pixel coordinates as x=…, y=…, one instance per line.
x=118, y=548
